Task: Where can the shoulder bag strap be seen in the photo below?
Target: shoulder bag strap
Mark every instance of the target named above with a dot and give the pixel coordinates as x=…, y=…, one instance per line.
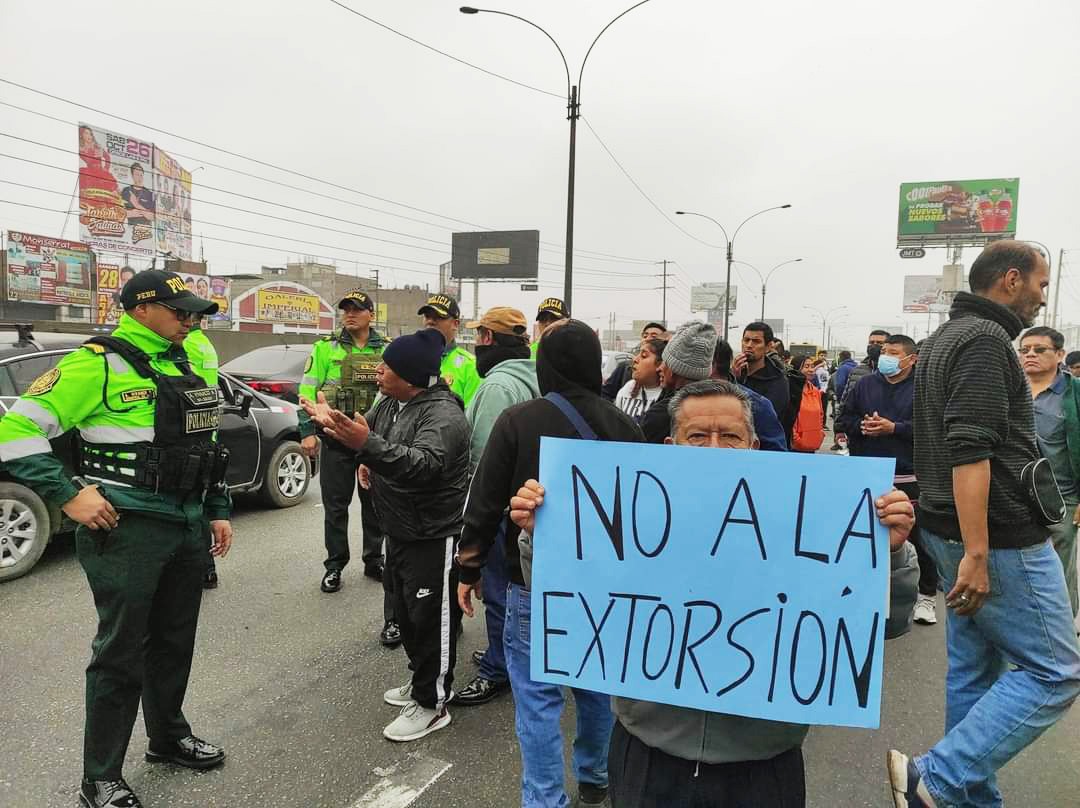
x=572, y=415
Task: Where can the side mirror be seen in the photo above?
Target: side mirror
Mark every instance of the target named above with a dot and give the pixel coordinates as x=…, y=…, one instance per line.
x=241, y=403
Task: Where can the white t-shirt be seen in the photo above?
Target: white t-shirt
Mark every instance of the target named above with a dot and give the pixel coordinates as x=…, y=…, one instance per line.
x=637, y=405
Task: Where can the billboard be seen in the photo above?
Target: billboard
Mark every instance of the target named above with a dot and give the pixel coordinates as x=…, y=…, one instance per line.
x=495, y=255
x=922, y=294
x=286, y=307
x=709, y=296
x=172, y=193
x=957, y=211
x=116, y=196
x=48, y=270
x=112, y=277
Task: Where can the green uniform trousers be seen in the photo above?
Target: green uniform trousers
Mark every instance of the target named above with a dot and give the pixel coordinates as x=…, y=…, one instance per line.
x=146, y=577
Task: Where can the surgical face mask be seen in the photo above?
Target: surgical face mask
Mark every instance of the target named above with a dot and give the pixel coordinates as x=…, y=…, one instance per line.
x=888, y=365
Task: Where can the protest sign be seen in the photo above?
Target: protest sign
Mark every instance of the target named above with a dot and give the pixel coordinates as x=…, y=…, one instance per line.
x=734, y=581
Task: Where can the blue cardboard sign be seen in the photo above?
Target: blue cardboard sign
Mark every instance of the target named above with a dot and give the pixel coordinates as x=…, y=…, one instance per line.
x=735, y=581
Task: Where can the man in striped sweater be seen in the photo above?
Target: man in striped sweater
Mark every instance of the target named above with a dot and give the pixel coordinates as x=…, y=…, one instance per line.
x=1014, y=665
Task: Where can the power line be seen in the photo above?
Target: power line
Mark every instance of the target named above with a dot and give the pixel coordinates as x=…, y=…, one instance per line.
x=442, y=251
x=641, y=190
x=594, y=253
x=432, y=48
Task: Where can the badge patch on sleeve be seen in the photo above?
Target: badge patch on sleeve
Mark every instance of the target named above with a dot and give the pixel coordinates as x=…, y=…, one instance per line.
x=44, y=383
x=307, y=365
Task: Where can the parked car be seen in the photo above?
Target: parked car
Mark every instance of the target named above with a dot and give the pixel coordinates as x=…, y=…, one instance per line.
x=273, y=369
x=262, y=435
x=611, y=360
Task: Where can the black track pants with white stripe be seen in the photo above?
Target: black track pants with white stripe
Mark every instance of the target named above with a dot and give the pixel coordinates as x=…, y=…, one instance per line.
x=426, y=608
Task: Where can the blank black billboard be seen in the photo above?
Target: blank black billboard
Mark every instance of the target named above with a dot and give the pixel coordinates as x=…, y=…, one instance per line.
x=495, y=254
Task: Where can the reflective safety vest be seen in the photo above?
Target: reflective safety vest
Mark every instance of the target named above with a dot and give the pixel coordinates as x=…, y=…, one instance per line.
x=458, y=370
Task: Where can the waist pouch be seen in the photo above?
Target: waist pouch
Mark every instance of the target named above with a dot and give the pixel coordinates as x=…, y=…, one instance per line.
x=1038, y=489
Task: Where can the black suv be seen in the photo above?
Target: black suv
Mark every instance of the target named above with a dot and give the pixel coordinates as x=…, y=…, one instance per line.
x=262, y=434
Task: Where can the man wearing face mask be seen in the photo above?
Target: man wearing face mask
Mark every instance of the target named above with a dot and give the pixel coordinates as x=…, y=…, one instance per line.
x=845, y=382
x=877, y=421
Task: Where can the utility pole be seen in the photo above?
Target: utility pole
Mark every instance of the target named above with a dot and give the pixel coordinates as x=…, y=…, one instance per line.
x=1057, y=286
x=663, y=315
x=476, y=299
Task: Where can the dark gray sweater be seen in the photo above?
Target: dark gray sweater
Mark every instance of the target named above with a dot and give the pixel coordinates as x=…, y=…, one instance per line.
x=972, y=403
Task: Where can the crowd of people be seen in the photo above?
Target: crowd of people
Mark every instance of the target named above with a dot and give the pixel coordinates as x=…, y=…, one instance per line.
x=443, y=448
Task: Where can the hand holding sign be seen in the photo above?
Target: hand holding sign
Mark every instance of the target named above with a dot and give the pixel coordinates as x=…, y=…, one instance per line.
x=524, y=504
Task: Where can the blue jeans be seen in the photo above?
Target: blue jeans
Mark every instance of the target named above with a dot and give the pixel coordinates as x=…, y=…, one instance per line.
x=537, y=710
x=1014, y=670
x=493, y=588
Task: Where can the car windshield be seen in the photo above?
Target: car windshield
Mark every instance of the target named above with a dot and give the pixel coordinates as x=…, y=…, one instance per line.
x=271, y=361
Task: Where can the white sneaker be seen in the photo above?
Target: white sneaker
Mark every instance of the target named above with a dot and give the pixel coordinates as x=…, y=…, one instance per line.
x=925, y=610
x=414, y=722
x=399, y=696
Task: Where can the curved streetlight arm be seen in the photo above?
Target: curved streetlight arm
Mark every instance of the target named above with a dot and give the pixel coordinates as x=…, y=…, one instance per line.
x=783, y=264
x=583, y=61
x=703, y=216
x=758, y=271
x=775, y=207
x=472, y=10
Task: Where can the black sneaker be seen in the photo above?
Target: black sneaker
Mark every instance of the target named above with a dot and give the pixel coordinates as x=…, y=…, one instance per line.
x=331, y=581
x=191, y=752
x=390, y=636
x=480, y=691
x=478, y=657
x=373, y=571
x=210, y=581
x=591, y=794
x=908, y=789
x=108, y=794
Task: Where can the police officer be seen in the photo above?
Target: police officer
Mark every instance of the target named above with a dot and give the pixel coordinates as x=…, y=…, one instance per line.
x=342, y=367
x=458, y=368
x=204, y=361
x=149, y=474
x=551, y=310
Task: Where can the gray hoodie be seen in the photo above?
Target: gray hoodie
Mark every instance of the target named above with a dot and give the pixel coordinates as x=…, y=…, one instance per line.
x=721, y=738
x=510, y=382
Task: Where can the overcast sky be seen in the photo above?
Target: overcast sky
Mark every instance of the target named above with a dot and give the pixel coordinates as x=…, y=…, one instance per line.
x=723, y=108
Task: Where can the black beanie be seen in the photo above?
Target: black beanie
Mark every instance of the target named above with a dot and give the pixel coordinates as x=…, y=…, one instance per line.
x=416, y=357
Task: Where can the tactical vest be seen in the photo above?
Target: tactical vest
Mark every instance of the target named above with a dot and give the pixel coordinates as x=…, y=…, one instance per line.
x=357, y=388
x=183, y=456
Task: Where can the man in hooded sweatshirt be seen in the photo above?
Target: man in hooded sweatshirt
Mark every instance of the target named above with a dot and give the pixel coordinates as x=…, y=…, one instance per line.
x=414, y=447
x=505, y=365
x=567, y=363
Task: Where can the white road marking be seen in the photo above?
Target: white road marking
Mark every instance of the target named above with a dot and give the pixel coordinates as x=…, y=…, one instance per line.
x=401, y=784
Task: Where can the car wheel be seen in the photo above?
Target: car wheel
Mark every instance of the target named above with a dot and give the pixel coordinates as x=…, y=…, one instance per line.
x=25, y=528
x=288, y=475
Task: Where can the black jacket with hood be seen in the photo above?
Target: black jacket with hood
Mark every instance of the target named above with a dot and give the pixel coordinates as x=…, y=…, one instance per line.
x=568, y=362
x=419, y=458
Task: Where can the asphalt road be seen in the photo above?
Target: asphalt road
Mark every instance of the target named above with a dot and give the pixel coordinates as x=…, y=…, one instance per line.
x=290, y=681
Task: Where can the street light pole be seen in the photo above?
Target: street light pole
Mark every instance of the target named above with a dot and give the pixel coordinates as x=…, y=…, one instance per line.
x=765, y=278
x=824, y=319
x=573, y=112
x=730, y=252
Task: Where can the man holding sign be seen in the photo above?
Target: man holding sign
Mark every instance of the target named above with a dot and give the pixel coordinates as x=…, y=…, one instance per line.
x=663, y=754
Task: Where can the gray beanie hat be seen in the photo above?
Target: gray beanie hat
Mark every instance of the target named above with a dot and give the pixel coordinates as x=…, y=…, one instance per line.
x=690, y=352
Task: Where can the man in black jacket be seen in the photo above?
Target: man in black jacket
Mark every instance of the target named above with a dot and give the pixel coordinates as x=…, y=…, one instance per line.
x=414, y=447
x=752, y=368
x=568, y=356
x=1014, y=665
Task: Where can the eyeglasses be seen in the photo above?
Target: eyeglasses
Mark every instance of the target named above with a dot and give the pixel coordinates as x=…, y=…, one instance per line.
x=1035, y=349
x=182, y=316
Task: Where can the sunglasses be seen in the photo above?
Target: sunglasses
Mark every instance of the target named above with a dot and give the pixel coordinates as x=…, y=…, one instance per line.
x=182, y=316
x=1035, y=349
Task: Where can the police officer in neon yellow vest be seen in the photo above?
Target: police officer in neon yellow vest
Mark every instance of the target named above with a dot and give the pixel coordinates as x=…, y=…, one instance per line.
x=204, y=360
x=150, y=472
x=551, y=310
x=458, y=367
